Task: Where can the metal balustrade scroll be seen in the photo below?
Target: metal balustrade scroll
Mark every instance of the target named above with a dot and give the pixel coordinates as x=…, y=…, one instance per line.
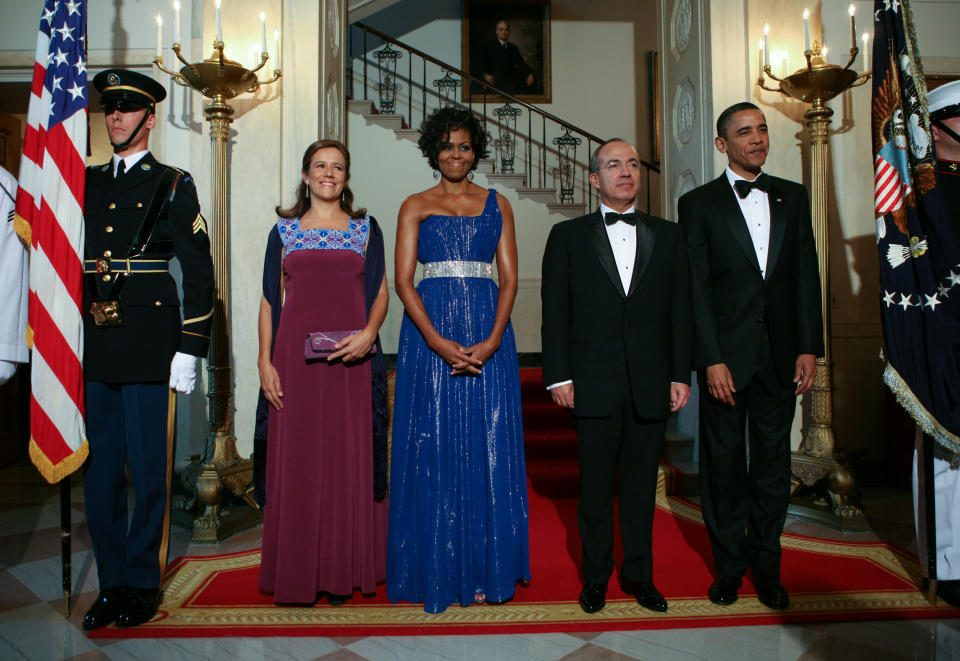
x=387, y=86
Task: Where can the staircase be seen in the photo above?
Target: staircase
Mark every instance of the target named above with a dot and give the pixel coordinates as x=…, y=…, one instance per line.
x=547, y=196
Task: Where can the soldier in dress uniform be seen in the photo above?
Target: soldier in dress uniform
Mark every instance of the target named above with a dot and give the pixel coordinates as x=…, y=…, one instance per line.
x=943, y=104
x=138, y=215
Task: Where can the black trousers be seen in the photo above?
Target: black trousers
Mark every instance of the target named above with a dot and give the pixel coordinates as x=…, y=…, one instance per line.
x=127, y=424
x=745, y=506
x=633, y=444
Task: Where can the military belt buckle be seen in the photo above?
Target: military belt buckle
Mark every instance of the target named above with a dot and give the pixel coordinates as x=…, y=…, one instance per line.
x=103, y=265
x=106, y=313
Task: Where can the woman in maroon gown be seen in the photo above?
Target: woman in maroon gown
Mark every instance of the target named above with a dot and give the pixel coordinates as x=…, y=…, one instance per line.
x=324, y=532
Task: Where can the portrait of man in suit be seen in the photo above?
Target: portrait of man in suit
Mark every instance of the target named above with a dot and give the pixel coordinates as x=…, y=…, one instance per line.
x=506, y=45
x=758, y=329
x=616, y=336
x=503, y=66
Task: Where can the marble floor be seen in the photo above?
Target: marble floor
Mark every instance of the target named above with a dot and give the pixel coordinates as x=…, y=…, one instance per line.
x=33, y=625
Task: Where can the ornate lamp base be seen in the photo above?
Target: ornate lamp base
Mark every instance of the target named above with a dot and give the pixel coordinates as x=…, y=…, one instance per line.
x=203, y=511
x=831, y=503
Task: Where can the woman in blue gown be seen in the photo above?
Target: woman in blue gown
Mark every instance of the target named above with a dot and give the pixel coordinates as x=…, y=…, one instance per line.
x=458, y=493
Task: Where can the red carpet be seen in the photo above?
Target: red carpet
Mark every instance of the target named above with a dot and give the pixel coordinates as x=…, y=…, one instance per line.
x=827, y=581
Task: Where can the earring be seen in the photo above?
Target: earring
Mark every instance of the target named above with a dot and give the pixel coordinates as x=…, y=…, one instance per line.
x=470, y=176
x=436, y=174
x=306, y=192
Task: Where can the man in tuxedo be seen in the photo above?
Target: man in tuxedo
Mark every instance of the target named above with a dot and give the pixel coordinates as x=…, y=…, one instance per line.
x=503, y=65
x=758, y=328
x=616, y=352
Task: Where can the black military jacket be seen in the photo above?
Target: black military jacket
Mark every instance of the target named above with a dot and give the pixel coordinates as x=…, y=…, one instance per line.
x=140, y=350
x=948, y=181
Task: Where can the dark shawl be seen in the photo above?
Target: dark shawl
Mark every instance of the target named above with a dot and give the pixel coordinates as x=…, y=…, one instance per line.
x=373, y=276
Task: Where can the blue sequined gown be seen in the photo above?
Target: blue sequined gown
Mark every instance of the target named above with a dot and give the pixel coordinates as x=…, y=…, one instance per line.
x=458, y=493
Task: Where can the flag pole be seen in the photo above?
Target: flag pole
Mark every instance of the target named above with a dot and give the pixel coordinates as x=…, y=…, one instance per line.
x=926, y=512
x=65, y=534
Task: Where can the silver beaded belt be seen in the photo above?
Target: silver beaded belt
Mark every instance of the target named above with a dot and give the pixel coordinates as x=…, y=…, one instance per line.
x=456, y=269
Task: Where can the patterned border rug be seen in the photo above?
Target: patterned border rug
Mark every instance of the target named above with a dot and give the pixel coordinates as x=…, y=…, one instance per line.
x=827, y=581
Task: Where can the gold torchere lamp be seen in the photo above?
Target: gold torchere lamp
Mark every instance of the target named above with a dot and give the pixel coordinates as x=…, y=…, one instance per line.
x=219, y=79
x=815, y=460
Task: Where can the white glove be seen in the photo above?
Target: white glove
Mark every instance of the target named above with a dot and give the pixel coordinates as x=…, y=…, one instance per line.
x=183, y=372
x=7, y=370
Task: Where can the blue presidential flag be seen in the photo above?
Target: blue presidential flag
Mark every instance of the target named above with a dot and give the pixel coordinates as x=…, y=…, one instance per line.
x=919, y=250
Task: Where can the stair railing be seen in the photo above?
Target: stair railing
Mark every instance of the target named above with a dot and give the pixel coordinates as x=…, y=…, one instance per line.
x=547, y=151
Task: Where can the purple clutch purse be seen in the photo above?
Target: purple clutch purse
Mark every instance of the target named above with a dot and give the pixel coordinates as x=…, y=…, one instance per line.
x=322, y=343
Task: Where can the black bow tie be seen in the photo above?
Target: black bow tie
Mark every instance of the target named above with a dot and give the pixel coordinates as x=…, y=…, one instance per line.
x=611, y=217
x=761, y=183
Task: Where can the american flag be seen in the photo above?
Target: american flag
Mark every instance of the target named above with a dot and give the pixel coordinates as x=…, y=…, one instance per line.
x=918, y=249
x=49, y=215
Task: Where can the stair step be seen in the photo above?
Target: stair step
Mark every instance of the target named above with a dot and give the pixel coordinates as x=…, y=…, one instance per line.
x=545, y=195
x=689, y=478
x=486, y=166
x=413, y=135
x=360, y=106
x=394, y=122
x=678, y=447
x=567, y=209
x=511, y=180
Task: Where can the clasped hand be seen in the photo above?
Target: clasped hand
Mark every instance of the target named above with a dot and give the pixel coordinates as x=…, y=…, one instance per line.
x=464, y=360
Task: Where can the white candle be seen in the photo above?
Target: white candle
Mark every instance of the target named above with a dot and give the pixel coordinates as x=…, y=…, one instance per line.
x=263, y=32
x=159, y=36
x=853, y=27
x=806, y=29
x=783, y=63
x=865, y=38
x=760, y=59
x=176, y=21
x=276, y=47
x=766, y=45
x=219, y=26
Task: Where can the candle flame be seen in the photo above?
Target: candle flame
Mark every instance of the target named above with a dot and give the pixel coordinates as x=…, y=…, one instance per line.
x=852, y=9
x=276, y=34
x=217, y=4
x=263, y=16
x=806, y=14
x=783, y=56
x=766, y=28
x=159, y=20
x=760, y=44
x=865, y=38
x=176, y=4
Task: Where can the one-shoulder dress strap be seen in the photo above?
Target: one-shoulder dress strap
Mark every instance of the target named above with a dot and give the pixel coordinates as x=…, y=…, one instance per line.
x=491, y=204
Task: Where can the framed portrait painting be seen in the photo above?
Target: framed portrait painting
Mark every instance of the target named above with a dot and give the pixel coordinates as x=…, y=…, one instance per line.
x=507, y=45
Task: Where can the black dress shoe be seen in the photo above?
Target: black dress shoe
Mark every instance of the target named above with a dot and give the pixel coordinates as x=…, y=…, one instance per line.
x=772, y=594
x=647, y=595
x=723, y=592
x=142, y=605
x=949, y=591
x=593, y=598
x=105, y=609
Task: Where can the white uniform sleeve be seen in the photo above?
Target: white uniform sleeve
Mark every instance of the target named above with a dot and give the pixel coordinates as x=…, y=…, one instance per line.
x=13, y=278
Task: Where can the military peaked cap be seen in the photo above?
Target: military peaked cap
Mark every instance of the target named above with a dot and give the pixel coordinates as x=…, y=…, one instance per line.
x=125, y=90
x=944, y=102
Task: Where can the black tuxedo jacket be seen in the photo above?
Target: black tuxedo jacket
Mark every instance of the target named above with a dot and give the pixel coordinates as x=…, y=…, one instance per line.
x=606, y=340
x=140, y=351
x=730, y=297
